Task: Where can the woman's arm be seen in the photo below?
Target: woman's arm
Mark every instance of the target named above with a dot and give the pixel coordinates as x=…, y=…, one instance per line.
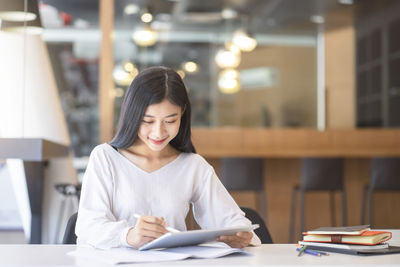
x=96, y=224
x=214, y=207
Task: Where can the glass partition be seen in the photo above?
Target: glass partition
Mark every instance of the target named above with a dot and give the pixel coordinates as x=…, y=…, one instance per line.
x=245, y=65
x=313, y=60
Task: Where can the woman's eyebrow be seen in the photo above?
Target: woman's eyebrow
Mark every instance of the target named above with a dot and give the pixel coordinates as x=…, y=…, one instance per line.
x=169, y=116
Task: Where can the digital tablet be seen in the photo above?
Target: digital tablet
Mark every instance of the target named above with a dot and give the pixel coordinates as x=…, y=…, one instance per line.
x=194, y=237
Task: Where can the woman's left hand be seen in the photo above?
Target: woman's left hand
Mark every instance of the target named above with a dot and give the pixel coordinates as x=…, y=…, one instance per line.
x=240, y=240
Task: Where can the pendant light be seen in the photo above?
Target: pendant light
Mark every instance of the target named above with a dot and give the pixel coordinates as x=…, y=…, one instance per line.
x=144, y=36
x=242, y=40
x=14, y=10
x=228, y=81
x=13, y=18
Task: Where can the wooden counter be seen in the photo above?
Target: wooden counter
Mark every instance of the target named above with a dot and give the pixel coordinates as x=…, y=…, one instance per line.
x=282, y=150
x=282, y=143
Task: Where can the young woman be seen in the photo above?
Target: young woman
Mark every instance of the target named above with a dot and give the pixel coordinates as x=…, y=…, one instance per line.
x=151, y=168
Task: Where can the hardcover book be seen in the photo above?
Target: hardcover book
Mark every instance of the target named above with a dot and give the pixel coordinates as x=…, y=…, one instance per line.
x=365, y=238
x=345, y=230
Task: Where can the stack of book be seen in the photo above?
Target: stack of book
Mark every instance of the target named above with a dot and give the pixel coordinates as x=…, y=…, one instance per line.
x=350, y=240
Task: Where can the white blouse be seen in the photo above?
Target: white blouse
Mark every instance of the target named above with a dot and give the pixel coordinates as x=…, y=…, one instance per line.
x=114, y=189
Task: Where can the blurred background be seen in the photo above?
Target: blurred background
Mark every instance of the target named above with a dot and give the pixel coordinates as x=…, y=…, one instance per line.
x=277, y=80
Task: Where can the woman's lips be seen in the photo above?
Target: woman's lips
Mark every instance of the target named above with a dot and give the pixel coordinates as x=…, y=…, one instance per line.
x=158, y=142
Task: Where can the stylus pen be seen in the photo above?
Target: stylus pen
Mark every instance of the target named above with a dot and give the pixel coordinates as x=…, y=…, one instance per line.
x=170, y=229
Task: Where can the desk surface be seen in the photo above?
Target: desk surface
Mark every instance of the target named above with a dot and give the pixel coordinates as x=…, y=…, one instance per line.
x=266, y=255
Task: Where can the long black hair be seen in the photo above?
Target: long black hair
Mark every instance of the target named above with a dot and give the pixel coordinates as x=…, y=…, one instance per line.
x=152, y=86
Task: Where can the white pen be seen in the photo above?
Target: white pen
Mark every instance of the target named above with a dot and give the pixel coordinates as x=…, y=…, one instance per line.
x=170, y=229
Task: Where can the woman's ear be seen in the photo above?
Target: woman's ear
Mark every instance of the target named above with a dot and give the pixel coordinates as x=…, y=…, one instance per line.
x=184, y=109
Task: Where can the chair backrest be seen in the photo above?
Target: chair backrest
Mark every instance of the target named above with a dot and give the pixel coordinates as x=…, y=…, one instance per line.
x=385, y=174
x=242, y=173
x=255, y=218
x=69, y=234
x=322, y=174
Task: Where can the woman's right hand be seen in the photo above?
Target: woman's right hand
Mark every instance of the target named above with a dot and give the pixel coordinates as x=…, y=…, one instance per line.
x=147, y=228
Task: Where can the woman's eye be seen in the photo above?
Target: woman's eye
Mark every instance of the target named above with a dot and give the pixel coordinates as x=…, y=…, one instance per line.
x=170, y=122
x=148, y=122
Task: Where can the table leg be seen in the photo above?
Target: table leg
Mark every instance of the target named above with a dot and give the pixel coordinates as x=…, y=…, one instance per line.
x=34, y=173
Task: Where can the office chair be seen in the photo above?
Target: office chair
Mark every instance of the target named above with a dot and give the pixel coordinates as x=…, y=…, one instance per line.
x=318, y=174
x=245, y=174
x=255, y=218
x=71, y=193
x=69, y=235
x=385, y=176
x=252, y=215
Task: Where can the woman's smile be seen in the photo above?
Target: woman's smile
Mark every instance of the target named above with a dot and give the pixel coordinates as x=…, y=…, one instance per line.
x=157, y=142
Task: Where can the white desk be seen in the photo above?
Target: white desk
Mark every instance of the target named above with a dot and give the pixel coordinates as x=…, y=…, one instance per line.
x=266, y=255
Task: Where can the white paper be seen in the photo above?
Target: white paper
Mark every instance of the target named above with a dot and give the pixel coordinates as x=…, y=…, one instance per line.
x=125, y=255
x=129, y=255
x=206, y=252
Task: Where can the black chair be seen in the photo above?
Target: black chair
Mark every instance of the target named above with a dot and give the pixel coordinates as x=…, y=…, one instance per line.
x=252, y=215
x=318, y=174
x=255, y=218
x=385, y=176
x=245, y=174
x=69, y=235
x=69, y=192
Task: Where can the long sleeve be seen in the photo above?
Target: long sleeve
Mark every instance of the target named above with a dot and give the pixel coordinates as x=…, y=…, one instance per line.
x=213, y=206
x=96, y=224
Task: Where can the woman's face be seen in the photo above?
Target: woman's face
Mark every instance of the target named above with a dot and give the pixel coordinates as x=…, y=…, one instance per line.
x=160, y=124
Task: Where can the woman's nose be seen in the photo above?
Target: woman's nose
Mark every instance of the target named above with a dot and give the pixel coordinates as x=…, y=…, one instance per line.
x=158, y=129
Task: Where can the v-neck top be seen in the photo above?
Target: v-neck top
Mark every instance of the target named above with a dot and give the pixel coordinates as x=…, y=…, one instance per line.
x=144, y=171
x=114, y=189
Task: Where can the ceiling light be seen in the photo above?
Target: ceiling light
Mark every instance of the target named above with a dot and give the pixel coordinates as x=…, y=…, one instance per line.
x=227, y=59
x=228, y=13
x=14, y=19
x=346, y=2
x=17, y=16
x=144, y=36
x=318, y=19
x=146, y=17
x=228, y=81
x=244, y=41
x=233, y=48
x=121, y=77
x=14, y=10
x=128, y=66
x=190, y=66
x=131, y=9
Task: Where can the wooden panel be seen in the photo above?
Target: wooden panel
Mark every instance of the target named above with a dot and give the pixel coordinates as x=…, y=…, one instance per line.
x=258, y=142
x=106, y=85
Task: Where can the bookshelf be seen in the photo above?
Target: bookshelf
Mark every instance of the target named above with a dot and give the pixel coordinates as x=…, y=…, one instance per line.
x=377, y=68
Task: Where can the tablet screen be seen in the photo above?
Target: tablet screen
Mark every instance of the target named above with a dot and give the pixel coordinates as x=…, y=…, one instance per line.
x=194, y=237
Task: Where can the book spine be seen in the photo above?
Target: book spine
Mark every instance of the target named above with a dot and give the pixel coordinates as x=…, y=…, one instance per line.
x=336, y=238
